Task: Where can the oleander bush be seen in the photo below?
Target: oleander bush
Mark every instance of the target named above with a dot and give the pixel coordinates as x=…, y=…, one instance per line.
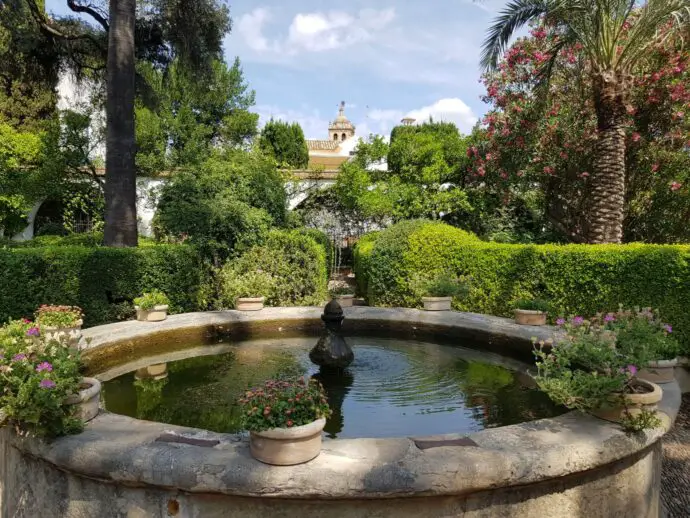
x=575, y=279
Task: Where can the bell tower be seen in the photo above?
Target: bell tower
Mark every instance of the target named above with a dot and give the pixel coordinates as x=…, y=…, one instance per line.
x=341, y=128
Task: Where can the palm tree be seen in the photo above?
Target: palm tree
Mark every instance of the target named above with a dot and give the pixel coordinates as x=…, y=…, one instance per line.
x=120, y=174
x=615, y=35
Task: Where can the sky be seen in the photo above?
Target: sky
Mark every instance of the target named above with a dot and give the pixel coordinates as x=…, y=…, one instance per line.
x=385, y=58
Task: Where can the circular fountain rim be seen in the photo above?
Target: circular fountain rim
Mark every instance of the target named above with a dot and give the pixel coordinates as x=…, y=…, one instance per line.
x=125, y=450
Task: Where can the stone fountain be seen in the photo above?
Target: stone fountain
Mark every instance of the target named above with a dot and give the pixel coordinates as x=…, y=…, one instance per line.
x=332, y=351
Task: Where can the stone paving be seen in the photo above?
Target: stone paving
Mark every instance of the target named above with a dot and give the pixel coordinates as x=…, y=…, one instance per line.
x=675, y=479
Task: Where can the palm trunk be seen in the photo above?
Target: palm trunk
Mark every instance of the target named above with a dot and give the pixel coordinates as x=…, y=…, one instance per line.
x=120, y=173
x=608, y=182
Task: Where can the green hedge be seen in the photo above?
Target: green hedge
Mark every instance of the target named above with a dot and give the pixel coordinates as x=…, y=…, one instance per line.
x=295, y=263
x=575, y=279
x=102, y=281
x=322, y=239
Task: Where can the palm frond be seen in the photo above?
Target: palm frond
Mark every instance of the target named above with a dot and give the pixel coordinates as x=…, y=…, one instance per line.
x=515, y=15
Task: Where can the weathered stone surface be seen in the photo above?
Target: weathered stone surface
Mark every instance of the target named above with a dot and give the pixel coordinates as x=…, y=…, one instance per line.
x=332, y=351
x=572, y=465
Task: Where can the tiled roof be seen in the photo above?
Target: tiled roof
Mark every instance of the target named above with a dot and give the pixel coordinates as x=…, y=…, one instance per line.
x=322, y=145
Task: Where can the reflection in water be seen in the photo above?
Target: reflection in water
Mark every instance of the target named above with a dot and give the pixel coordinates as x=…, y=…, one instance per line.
x=392, y=388
x=337, y=383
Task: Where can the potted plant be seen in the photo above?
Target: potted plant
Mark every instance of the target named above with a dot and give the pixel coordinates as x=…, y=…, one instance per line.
x=249, y=290
x=152, y=306
x=643, y=333
x=285, y=420
x=438, y=291
x=344, y=294
x=43, y=391
x=585, y=370
x=60, y=323
x=531, y=312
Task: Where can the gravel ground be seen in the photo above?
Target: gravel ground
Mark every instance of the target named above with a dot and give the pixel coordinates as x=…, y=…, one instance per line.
x=675, y=471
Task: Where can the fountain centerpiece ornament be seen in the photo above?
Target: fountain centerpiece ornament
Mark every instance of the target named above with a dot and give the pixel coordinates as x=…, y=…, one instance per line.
x=332, y=351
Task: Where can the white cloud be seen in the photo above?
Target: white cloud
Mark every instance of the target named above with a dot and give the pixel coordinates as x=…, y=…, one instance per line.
x=250, y=26
x=313, y=124
x=314, y=32
x=448, y=110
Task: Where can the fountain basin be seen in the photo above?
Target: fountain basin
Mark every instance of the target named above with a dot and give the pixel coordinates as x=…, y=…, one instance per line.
x=570, y=465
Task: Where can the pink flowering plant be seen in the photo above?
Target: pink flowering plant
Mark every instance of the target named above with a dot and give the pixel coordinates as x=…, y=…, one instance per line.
x=284, y=404
x=35, y=378
x=642, y=332
x=583, y=368
x=59, y=316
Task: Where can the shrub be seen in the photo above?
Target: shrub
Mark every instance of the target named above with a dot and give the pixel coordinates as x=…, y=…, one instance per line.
x=295, y=263
x=36, y=377
x=322, y=239
x=642, y=332
x=443, y=284
x=575, y=279
x=58, y=316
x=232, y=199
x=253, y=284
x=152, y=299
x=361, y=255
x=102, y=281
x=284, y=404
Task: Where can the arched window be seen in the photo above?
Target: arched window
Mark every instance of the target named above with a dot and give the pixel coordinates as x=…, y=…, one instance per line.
x=344, y=136
x=335, y=136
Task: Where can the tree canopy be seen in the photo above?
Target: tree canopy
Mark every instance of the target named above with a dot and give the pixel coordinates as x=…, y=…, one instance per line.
x=285, y=143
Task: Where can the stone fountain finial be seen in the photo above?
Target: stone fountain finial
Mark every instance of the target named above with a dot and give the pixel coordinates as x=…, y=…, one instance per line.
x=332, y=351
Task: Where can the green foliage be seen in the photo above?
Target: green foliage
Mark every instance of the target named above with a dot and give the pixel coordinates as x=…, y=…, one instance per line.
x=576, y=279
x=238, y=284
x=640, y=421
x=295, y=263
x=284, y=404
x=58, y=316
x=37, y=376
x=642, y=332
x=232, y=199
x=424, y=165
x=180, y=118
x=322, y=239
x=285, y=143
x=151, y=299
x=103, y=281
x=443, y=284
x=532, y=305
x=586, y=369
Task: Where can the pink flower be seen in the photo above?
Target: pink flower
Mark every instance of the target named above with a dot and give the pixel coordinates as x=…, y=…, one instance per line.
x=19, y=357
x=548, y=169
x=584, y=174
x=609, y=318
x=33, y=331
x=668, y=328
x=655, y=168
x=636, y=137
x=44, y=366
x=560, y=321
x=578, y=321
x=675, y=186
x=632, y=370
x=47, y=384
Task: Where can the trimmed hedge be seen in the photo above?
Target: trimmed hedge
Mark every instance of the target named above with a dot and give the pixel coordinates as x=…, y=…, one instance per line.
x=102, y=281
x=294, y=261
x=575, y=279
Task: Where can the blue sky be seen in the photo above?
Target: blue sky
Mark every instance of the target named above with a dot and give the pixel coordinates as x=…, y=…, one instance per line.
x=385, y=58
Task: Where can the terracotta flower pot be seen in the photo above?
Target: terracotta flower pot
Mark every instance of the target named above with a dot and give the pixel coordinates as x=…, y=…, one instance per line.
x=437, y=303
x=345, y=301
x=155, y=314
x=287, y=446
x=661, y=371
x=65, y=335
x=87, y=401
x=529, y=317
x=249, y=304
x=615, y=411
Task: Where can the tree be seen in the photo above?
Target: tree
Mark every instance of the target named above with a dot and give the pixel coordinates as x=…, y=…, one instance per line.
x=180, y=119
x=615, y=37
x=423, y=179
x=120, y=174
x=189, y=29
x=533, y=156
x=28, y=70
x=285, y=143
